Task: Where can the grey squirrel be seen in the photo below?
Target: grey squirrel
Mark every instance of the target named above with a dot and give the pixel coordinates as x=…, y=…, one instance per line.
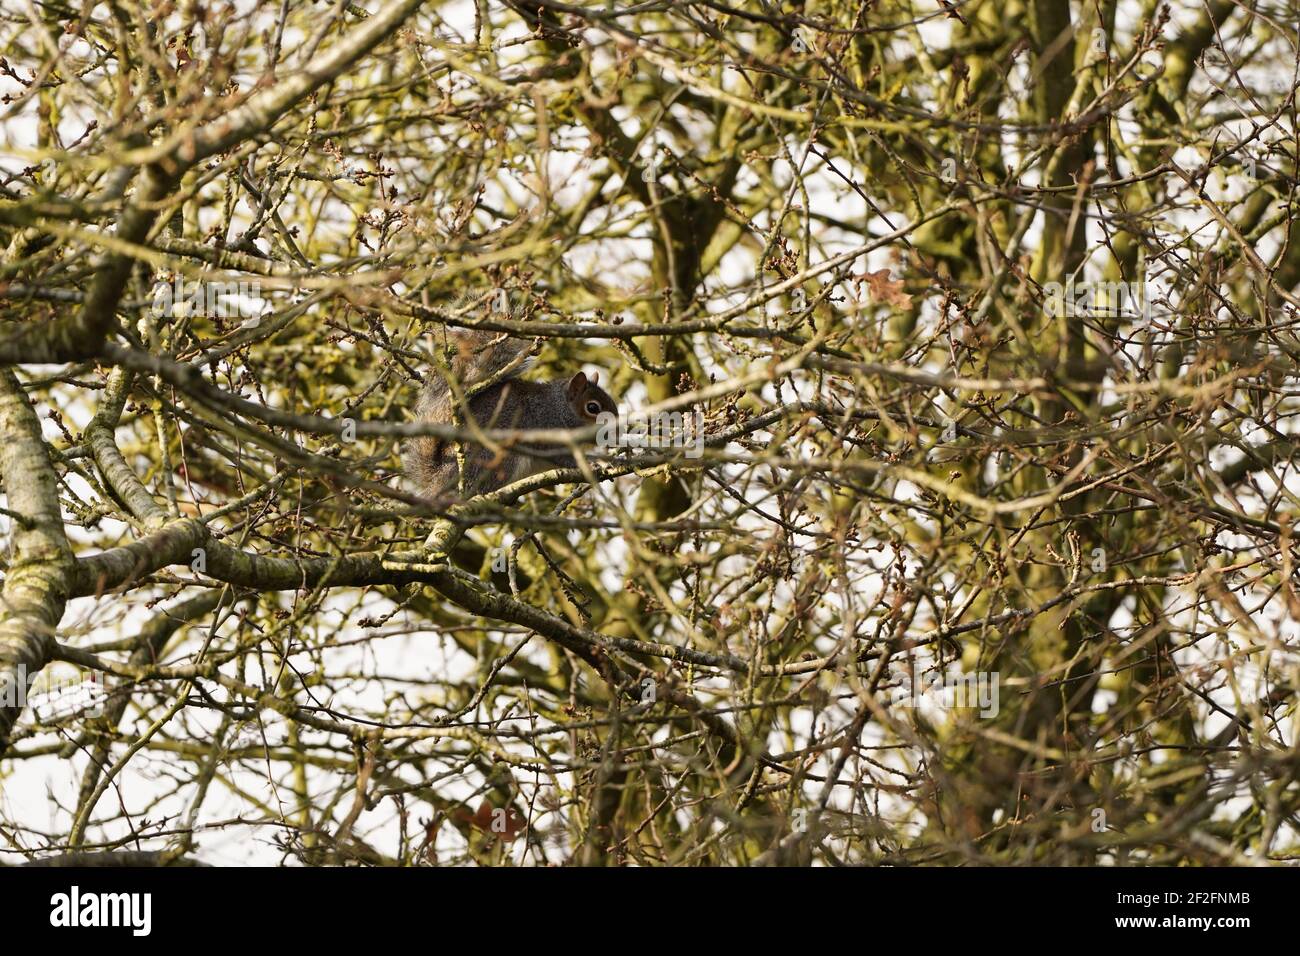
x=485, y=367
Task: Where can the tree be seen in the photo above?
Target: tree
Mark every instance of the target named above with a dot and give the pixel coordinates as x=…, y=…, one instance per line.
x=962, y=531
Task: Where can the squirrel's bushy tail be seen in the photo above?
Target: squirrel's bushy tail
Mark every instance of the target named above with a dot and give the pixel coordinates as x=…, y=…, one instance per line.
x=464, y=358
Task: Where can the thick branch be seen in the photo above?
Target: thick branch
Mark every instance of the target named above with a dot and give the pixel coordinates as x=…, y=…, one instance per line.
x=36, y=584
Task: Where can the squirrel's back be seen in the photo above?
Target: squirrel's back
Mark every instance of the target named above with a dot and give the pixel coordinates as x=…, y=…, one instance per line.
x=484, y=368
x=468, y=357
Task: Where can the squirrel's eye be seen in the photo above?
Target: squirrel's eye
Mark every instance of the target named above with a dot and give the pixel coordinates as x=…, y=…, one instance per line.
x=593, y=409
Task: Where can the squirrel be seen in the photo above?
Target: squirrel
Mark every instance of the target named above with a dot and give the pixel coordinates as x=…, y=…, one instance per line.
x=485, y=367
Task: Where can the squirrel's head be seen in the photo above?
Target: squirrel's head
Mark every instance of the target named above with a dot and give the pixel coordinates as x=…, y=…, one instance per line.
x=588, y=399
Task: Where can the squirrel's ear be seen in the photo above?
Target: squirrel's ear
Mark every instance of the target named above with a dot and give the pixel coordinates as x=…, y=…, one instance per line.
x=594, y=378
x=576, y=385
